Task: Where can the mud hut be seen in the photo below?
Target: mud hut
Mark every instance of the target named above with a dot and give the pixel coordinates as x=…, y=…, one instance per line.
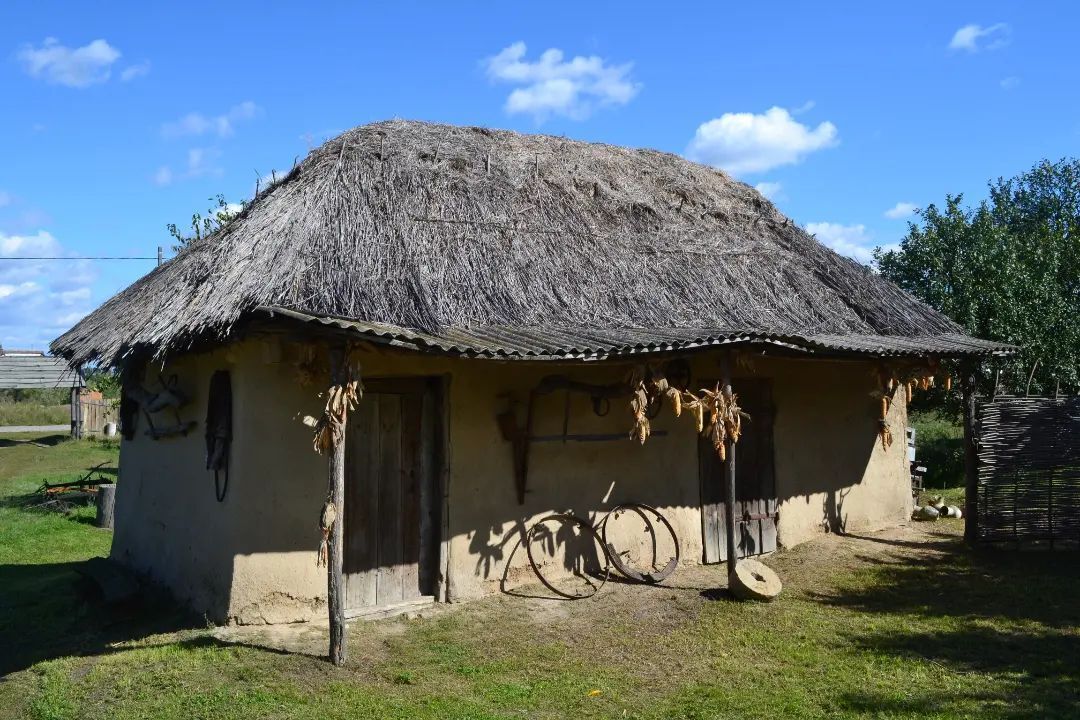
x=500, y=297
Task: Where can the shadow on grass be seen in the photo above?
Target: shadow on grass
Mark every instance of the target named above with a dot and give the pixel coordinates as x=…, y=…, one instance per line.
x=49, y=611
x=1039, y=671
x=40, y=440
x=955, y=582
x=1014, y=615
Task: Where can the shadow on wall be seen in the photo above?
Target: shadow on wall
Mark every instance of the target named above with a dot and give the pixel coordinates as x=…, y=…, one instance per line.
x=834, y=520
x=555, y=544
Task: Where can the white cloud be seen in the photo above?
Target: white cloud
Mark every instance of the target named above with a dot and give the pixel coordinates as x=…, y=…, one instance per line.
x=749, y=143
x=74, y=67
x=199, y=161
x=1010, y=82
x=769, y=189
x=71, y=297
x=195, y=124
x=40, y=244
x=901, y=210
x=203, y=161
x=554, y=86
x=15, y=291
x=40, y=299
x=163, y=175
x=973, y=38
x=135, y=71
x=850, y=240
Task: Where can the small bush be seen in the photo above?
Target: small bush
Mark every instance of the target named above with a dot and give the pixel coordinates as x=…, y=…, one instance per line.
x=939, y=445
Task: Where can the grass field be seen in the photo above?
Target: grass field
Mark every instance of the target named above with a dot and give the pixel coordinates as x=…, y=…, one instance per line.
x=904, y=623
x=28, y=413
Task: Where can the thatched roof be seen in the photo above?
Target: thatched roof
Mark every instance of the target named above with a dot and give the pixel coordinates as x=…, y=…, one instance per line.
x=437, y=229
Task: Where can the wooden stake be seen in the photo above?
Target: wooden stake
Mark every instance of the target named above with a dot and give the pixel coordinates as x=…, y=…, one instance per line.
x=335, y=586
x=729, y=481
x=106, y=506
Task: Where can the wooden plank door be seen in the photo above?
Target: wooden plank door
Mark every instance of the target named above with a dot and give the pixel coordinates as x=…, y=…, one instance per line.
x=755, y=480
x=390, y=495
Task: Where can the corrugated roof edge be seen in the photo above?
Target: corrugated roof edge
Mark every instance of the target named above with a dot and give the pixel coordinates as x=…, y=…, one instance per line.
x=592, y=344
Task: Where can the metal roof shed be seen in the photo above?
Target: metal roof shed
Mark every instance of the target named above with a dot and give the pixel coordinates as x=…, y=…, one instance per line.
x=36, y=370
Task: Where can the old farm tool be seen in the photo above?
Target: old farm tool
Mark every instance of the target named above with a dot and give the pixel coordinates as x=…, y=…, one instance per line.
x=656, y=575
x=588, y=532
x=611, y=556
x=63, y=496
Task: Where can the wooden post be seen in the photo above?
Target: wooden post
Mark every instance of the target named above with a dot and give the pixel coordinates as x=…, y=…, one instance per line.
x=729, y=481
x=971, y=459
x=335, y=586
x=106, y=506
x=76, y=414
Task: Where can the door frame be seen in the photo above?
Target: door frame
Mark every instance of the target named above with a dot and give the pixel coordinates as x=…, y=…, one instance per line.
x=437, y=422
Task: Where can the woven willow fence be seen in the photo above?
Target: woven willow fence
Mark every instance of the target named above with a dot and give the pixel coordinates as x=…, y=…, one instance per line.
x=1029, y=470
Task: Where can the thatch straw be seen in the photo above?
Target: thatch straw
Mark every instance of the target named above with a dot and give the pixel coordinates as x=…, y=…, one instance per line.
x=432, y=226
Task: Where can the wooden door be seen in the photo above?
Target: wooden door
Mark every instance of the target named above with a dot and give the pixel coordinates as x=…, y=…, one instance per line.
x=391, y=495
x=755, y=480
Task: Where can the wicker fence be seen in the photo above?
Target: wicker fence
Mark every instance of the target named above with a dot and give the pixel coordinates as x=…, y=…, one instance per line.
x=1029, y=470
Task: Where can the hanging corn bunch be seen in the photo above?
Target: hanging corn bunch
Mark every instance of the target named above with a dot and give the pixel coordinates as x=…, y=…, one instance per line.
x=716, y=415
x=330, y=426
x=340, y=401
x=883, y=423
x=905, y=377
x=725, y=419
x=329, y=433
x=326, y=522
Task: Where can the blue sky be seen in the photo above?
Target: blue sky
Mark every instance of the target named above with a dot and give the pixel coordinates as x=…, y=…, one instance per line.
x=119, y=118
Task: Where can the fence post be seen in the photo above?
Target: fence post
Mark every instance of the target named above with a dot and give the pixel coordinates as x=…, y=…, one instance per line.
x=971, y=459
x=76, y=413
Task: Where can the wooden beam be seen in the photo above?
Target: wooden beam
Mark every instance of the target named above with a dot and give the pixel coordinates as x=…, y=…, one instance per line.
x=335, y=586
x=729, y=479
x=971, y=458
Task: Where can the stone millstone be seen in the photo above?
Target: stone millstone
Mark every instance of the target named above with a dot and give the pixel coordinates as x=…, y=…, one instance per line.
x=755, y=581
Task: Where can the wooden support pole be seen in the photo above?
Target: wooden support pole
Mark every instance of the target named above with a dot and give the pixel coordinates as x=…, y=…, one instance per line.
x=76, y=414
x=335, y=589
x=971, y=459
x=729, y=480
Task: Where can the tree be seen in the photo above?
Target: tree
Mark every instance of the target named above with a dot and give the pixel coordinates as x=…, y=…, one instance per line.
x=216, y=218
x=1007, y=269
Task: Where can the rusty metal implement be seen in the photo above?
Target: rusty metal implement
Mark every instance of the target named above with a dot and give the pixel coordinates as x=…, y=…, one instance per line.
x=650, y=578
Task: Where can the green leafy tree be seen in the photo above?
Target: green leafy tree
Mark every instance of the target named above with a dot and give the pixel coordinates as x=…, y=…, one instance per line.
x=219, y=215
x=105, y=382
x=1007, y=269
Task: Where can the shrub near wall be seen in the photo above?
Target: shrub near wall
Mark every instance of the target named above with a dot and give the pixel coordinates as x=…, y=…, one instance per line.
x=939, y=445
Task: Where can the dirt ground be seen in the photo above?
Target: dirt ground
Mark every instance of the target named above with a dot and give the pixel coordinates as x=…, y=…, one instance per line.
x=650, y=609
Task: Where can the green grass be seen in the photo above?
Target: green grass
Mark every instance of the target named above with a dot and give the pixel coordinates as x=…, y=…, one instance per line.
x=29, y=413
x=939, y=445
x=902, y=624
